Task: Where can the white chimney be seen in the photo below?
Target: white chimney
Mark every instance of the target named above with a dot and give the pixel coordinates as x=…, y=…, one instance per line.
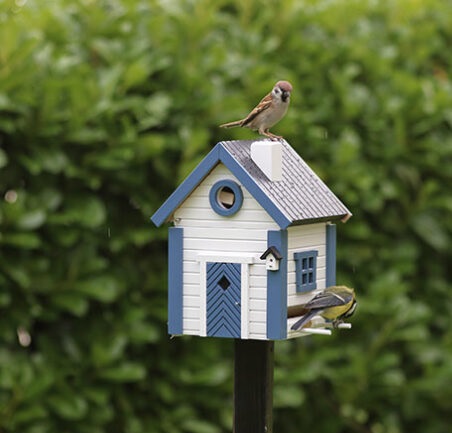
x=267, y=155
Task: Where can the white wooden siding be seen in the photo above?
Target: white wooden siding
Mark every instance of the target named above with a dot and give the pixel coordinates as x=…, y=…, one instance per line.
x=306, y=238
x=206, y=231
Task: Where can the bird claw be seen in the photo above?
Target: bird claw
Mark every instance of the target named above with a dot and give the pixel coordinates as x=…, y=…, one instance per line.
x=337, y=322
x=273, y=137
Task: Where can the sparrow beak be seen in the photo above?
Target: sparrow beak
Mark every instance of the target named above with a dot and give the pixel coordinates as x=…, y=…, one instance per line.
x=285, y=96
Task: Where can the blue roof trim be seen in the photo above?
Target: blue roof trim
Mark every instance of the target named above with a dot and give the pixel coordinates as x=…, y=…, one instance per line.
x=187, y=186
x=248, y=182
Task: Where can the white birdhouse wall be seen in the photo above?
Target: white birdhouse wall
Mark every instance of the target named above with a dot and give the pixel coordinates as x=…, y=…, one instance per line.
x=302, y=238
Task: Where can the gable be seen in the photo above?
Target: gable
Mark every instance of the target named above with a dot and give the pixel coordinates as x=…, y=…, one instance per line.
x=217, y=155
x=197, y=211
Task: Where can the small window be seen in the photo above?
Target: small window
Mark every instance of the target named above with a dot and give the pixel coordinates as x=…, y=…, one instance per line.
x=226, y=197
x=306, y=270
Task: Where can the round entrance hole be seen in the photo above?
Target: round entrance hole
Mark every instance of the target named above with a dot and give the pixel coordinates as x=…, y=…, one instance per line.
x=226, y=197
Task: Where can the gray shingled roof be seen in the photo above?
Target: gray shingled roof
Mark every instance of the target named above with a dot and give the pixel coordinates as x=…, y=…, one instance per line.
x=302, y=196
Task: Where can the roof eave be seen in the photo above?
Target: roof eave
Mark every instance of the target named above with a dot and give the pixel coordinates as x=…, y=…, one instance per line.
x=343, y=218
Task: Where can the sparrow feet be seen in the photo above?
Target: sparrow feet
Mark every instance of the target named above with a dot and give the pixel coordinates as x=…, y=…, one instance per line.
x=272, y=137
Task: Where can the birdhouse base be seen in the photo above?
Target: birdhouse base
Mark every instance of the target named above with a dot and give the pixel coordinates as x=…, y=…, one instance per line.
x=317, y=326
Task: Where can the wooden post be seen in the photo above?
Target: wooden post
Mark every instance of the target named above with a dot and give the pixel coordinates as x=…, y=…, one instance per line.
x=253, y=386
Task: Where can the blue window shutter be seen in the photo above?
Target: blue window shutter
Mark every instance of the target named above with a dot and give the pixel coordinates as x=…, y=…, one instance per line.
x=306, y=270
x=277, y=289
x=175, y=279
x=330, y=255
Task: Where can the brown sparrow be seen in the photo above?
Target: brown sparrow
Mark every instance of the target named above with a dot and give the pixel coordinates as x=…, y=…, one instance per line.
x=269, y=111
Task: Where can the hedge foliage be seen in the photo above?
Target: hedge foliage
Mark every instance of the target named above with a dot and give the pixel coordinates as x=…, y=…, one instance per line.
x=105, y=106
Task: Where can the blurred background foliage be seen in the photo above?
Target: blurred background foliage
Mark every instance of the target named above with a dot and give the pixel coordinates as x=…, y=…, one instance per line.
x=105, y=106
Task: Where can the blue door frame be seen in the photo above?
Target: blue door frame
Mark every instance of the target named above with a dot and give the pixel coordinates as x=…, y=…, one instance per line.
x=223, y=299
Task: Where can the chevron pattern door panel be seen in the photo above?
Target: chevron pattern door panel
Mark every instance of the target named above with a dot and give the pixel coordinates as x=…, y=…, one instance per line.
x=223, y=300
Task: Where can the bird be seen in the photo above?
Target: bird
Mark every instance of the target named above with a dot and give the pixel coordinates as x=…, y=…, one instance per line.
x=333, y=304
x=270, y=110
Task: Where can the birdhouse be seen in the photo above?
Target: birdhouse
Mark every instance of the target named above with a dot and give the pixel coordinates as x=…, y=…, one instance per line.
x=252, y=239
x=272, y=256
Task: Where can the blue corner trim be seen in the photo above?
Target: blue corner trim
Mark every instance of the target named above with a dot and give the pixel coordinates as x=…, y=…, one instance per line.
x=219, y=208
x=277, y=289
x=248, y=182
x=187, y=186
x=175, y=279
x=330, y=255
x=217, y=154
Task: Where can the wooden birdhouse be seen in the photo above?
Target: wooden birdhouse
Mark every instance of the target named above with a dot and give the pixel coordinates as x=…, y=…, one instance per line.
x=252, y=240
x=272, y=256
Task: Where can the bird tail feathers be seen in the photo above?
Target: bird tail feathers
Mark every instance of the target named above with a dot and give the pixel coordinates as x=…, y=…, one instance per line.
x=231, y=124
x=303, y=320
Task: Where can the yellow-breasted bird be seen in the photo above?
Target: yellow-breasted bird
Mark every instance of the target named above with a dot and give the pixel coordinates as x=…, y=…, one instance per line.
x=333, y=304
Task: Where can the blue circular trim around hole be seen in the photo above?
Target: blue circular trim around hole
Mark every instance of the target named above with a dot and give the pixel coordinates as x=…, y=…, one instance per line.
x=217, y=206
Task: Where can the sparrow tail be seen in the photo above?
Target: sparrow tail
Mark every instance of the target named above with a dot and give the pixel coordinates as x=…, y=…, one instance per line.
x=231, y=124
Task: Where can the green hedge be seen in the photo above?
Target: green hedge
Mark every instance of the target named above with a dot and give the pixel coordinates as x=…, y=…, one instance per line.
x=106, y=106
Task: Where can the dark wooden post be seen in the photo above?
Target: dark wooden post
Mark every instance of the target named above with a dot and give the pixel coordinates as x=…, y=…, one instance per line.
x=253, y=386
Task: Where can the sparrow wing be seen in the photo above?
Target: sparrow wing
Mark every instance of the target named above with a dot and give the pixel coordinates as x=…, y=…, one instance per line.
x=264, y=104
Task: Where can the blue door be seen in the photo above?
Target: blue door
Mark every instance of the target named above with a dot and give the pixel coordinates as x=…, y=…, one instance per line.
x=223, y=300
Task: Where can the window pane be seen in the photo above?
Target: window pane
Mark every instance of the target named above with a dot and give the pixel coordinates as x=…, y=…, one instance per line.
x=306, y=268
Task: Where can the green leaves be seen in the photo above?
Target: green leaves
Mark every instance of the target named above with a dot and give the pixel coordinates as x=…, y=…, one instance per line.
x=103, y=288
x=84, y=210
x=68, y=406
x=126, y=372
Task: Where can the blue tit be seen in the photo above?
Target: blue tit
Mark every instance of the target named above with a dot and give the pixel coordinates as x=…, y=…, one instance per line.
x=333, y=304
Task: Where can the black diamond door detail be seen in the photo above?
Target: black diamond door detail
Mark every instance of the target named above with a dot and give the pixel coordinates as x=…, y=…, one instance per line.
x=224, y=283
